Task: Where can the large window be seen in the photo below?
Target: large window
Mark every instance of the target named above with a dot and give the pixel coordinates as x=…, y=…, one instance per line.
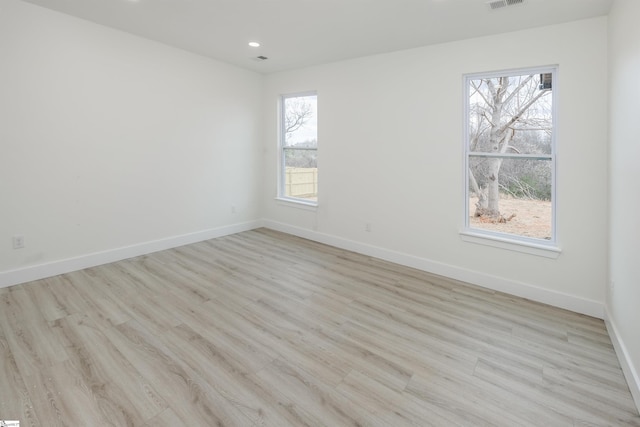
x=510, y=155
x=299, y=148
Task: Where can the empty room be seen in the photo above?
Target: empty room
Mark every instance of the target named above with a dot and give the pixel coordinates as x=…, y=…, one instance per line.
x=319, y=213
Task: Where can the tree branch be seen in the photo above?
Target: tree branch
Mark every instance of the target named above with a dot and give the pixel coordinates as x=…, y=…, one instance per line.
x=477, y=88
x=517, y=90
x=526, y=106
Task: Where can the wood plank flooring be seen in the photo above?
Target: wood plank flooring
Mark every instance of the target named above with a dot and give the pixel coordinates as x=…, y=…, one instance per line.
x=265, y=329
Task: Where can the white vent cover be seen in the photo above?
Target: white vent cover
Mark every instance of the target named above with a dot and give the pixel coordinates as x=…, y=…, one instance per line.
x=499, y=4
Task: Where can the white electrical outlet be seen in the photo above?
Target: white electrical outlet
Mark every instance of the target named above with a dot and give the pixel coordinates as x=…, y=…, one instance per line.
x=18, y=242
x=367, y=227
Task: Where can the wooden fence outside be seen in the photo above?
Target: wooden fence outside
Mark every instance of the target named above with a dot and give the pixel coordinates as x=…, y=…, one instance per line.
x=301, y=183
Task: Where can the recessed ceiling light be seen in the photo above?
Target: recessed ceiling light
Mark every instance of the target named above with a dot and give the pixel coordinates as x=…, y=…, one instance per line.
x=254, y=44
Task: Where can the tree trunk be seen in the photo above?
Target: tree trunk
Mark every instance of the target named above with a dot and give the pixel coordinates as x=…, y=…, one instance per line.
x=482, y=203
x=493, y=189
x=497, y=141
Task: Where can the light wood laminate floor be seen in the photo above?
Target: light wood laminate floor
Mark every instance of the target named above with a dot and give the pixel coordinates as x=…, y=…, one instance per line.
x=265, y=329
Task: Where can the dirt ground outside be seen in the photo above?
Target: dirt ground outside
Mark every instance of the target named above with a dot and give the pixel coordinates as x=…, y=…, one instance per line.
x=533, y=218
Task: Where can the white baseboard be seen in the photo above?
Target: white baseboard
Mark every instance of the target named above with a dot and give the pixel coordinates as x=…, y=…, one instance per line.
x=626, y=362
x=524, y=290
x=54, y=268
x=534, y=293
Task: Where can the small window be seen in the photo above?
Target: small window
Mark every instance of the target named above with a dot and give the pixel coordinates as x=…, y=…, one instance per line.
x=298, y=179
x=510, y=155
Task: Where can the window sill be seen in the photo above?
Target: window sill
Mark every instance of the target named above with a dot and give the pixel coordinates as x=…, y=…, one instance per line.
x=496, y=241
x=296, y=203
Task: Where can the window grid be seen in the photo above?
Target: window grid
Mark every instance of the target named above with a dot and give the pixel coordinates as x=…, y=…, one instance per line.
x=298, y=145
x=482, y=107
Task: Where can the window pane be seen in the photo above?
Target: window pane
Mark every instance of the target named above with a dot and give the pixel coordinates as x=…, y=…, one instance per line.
x=511, y=114
x=300, y=124
x=510, y=151
x=523, y=203
x=299, y=144
x=301, y=173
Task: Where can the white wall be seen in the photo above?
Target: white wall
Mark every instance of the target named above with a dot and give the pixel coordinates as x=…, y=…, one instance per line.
x=390, y=153
x=624, y=258
x=112, y=144
x=108, y=140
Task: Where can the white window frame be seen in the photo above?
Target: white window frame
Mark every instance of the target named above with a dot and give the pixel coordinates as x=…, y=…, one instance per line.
x=281, y=196
x=540, y=247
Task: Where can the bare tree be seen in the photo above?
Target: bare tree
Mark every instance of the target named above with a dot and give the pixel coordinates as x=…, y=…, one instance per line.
x=298, y=124
x=503, y=108
x=296, y=113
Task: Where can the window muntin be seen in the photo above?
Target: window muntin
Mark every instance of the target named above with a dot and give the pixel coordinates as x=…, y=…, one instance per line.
x=510, y=155
x=299, y=148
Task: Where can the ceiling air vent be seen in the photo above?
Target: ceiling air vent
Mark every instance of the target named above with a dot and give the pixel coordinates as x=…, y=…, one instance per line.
x=499, y=4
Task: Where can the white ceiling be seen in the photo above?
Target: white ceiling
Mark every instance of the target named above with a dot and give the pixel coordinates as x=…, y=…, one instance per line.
x=299, y=33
